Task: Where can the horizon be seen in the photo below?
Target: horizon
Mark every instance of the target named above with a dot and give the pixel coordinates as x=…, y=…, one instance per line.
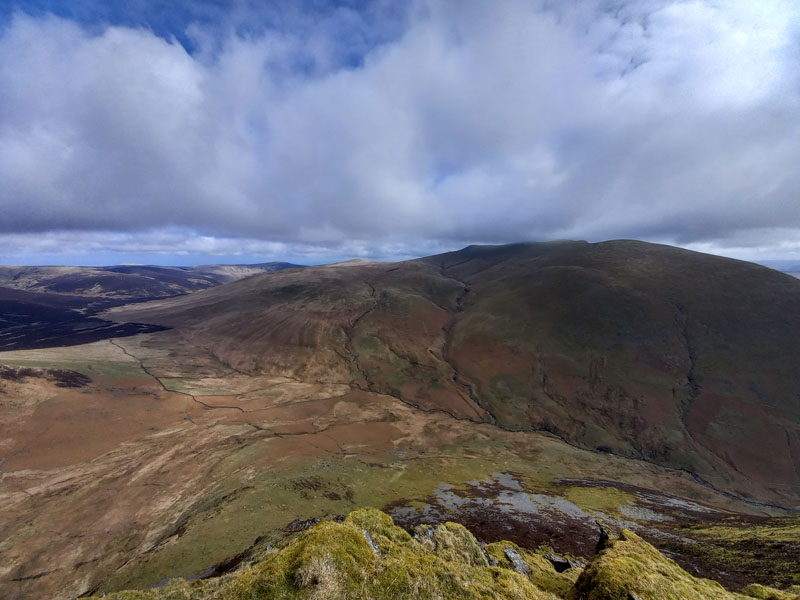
x=787, y=265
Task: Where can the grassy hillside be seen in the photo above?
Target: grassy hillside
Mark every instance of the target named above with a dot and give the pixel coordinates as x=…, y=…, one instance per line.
x=643, y=350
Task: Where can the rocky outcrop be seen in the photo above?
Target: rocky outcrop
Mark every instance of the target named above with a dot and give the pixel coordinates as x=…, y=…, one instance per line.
x=367, y=556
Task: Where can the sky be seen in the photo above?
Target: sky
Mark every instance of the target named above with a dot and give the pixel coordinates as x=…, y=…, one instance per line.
x=194, y=131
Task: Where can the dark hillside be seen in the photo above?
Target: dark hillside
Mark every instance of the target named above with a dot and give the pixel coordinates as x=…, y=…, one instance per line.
x=639, y=349
x=29, y=320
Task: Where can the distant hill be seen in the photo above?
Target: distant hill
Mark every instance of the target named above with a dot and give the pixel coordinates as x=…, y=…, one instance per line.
x=31, y=320
x=128, y=281
x=785, y=266
x=42, y=307
x=684, y=359
x=790, y=267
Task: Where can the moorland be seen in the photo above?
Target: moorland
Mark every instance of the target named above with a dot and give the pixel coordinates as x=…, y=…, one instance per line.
x=526, y=391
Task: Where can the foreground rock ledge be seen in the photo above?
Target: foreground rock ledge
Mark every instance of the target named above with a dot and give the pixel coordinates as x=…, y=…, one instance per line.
x=368, y=557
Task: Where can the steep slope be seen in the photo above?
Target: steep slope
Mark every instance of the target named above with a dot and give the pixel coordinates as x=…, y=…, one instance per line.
x=678, y=357
x=683, y=359
x=373, y=326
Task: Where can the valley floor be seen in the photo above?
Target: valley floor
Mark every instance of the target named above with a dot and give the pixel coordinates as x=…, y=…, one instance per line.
x=147, y=472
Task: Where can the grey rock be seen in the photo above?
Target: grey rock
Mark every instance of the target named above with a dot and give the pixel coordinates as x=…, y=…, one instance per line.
x=370, y=541
x=606, y=536
x=562, y=563
x=516, y=560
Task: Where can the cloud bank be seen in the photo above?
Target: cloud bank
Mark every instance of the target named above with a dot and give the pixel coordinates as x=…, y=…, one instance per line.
x=394, y=133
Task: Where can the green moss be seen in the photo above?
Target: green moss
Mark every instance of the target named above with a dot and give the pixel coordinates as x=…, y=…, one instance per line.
x=765, y=551
x=754, y=590
x=367, y=557
x=632, y=566
x=455, y=543
x=380, y=526
x=334, y=561
x=777, y=530
x=603, y=499
x=177, y=589
x=542, y=572
x=330, y=560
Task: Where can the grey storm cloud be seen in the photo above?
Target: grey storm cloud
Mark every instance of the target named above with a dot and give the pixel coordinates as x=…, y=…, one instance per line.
x=477, y=121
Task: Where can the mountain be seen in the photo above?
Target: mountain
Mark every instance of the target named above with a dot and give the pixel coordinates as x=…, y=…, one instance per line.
x=524, y=391
x=684, y=359
x=128, y=281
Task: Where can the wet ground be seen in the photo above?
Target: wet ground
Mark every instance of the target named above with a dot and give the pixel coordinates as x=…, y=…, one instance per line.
x=503, y=507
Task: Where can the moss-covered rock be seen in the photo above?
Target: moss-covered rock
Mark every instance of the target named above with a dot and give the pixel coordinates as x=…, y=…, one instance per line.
x=455, y=543
x=630, y=567
x=367, y=557
x=336, y=561
x=542, y=572
x=330, y=560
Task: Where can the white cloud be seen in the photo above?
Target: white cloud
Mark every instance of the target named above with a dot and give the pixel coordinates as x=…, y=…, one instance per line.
x=673, y=121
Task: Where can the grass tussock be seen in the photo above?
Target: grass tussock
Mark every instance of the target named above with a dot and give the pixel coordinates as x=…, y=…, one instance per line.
x=762, y=592
x=631, y=567
x=750, y=547
x=367, y=557
x=783, y=530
